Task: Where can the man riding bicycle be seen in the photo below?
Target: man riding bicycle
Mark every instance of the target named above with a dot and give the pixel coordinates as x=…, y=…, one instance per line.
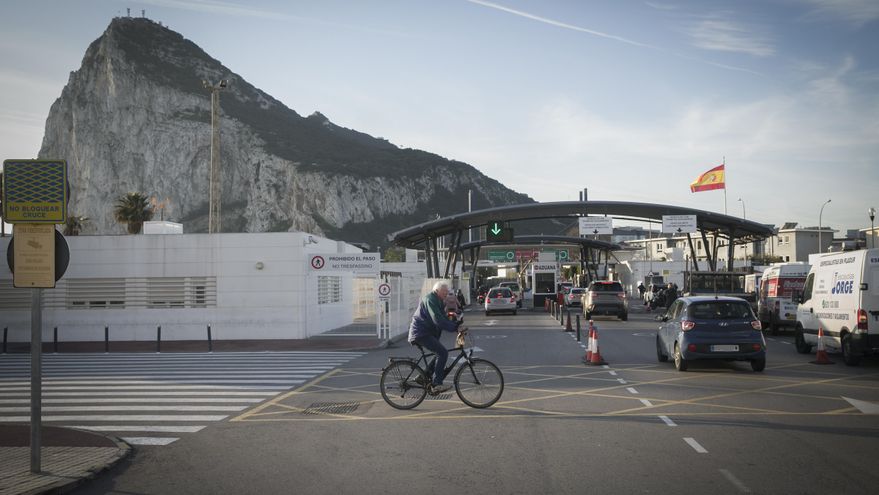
x=428, y=323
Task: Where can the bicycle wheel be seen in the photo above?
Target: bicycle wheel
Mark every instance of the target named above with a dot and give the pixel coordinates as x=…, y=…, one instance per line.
x=479, y=383
x=399, y=386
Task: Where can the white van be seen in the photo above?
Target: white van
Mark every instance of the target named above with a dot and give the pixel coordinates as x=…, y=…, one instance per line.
x=841, y=296
x=775, y=298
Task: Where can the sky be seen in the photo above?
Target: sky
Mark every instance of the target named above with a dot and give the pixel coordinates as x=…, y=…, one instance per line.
x=632, y=100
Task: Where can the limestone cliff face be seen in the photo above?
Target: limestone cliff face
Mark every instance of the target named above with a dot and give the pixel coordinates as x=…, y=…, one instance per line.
x=135, y=117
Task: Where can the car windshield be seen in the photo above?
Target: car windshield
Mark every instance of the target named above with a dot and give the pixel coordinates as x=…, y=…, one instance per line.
x=720, y=310
x=513, y=287
x=609, y=287
x=500, y=293
x=576, y=291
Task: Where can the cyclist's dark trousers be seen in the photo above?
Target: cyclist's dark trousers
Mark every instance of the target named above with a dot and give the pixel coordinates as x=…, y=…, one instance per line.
x=442, y=355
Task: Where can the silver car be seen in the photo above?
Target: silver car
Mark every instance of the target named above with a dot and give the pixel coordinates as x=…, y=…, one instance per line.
x=500, y=299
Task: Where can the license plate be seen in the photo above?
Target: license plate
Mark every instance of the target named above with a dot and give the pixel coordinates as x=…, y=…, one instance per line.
x=724, y=348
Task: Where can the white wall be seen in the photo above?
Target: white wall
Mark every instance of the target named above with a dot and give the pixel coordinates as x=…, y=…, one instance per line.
x=276, y=301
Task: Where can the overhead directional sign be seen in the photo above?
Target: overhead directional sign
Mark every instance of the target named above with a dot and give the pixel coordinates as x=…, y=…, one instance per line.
x=679, y=224
x=502, y=256
x=497, y=231
x=35, y=191
x=596, y=226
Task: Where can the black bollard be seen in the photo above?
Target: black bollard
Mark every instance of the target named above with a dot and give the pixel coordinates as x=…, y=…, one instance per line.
x=5, y=331
x=159, y=339
x=578, y=327
x=106, y=339
x=210, y=343
x=55, y=341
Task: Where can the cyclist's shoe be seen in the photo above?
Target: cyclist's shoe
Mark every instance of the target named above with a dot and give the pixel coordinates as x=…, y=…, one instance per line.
x=438, y=389
x=421, y=380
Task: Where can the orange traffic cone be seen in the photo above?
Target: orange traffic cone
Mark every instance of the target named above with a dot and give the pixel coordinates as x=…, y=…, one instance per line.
x=568, y=324
x=596, y=359
x=821, y=355
x=588, y=357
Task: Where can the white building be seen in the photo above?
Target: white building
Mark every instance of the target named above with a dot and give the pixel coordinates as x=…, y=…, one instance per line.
x=246, y=286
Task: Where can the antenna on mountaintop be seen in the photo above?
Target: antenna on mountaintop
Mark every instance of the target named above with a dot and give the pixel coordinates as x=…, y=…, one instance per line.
x=143, y=13
x=128, y=12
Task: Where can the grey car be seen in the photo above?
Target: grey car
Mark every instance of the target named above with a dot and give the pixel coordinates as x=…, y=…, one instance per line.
x=705, y=327
x=605, y=297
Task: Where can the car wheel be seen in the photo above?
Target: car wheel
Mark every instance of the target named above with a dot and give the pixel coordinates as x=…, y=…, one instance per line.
x=680, y=363
x=663, y=358
x=849, y=357
x=800, y=342
x=758, y=364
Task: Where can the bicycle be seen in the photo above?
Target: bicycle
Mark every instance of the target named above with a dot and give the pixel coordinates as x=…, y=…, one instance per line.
x=478, y=382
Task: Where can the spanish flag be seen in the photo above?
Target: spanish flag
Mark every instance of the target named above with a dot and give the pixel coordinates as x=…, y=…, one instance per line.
x=712, y=179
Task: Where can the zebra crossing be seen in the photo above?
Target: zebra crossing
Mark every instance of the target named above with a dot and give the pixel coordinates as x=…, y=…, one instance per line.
x=148, y=399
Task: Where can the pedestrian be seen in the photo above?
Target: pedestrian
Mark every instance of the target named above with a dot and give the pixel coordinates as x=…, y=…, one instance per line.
x=671, y=293
x=641, y=290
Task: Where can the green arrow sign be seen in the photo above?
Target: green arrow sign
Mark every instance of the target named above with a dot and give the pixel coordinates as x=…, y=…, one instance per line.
x=496, y=231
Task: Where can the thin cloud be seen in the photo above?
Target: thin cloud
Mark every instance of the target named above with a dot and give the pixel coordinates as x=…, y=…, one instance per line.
x=727, y=36
x=604, y=35
x=560, y=24
x=855, y=12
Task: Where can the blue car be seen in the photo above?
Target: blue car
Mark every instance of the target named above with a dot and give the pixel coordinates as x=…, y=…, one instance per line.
x=709, y=327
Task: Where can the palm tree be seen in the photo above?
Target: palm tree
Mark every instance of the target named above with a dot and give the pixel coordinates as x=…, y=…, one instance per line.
x=74, y=225
x=133, y=209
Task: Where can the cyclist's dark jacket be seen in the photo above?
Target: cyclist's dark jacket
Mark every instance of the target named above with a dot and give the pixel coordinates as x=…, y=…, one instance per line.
x=430, y=319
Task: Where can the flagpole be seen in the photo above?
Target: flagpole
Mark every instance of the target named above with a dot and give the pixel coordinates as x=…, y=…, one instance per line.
x=724, y=185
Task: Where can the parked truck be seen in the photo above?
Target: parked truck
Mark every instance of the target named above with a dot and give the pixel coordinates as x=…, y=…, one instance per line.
x=775, y=299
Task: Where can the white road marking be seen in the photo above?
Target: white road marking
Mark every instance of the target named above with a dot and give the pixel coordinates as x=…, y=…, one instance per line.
x=151, y=428
x=200, y=418
x=667, y=421
x=605, y=366
x=864, y=406
x=137, y=400
x=632, y=391
x=490, y=323
x=622, y=381
x=149, y=440
x=613, y=373
x=735, y=481
x=125, y=408
x=646, y=402
x=693, y=443
x=221, y=393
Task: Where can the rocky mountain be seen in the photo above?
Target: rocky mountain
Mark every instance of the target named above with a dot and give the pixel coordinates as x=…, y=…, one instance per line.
x=136, y=117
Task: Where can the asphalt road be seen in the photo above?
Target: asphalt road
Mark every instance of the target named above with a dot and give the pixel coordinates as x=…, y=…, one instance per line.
x=635, y=426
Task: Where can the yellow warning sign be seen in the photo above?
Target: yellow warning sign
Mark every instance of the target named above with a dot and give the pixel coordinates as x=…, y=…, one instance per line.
x=34, y=253
x=35, y=191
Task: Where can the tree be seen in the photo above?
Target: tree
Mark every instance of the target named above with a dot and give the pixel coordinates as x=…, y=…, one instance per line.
x=133, y=209
x=74, y=225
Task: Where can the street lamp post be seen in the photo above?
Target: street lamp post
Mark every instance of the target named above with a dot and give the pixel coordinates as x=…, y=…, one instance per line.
x=872, y=213
x=744, y=216
x=820, y=249
x=215, y=189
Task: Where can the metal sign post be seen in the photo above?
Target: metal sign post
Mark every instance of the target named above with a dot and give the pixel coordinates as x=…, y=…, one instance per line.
x=35, y=195
x=36, y=377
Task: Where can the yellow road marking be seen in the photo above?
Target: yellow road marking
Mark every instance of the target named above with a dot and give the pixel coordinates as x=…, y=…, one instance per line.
x=282, y=397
